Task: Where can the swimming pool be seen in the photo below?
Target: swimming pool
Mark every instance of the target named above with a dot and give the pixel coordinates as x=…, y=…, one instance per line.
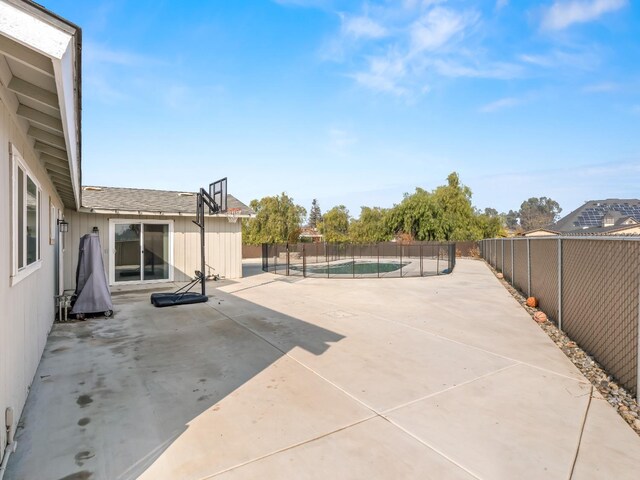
x=356, y=267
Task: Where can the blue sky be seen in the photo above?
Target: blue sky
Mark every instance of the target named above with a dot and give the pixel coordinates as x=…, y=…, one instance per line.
x=356, y=102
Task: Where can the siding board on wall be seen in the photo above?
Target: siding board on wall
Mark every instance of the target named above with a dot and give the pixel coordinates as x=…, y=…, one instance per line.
x=223, y=242
x=27, y=307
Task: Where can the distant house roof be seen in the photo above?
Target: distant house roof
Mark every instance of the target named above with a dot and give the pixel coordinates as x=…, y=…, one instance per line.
x=589, y=217
x=310, y=232
x=540, y=232
x=630, y=229
x=145, y=201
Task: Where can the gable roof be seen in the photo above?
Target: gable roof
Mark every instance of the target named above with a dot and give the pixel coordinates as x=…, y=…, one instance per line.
x=590, y=215
x=146, y=201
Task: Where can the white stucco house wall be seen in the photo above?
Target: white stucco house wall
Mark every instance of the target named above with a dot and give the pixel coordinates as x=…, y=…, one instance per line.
x=39, y=181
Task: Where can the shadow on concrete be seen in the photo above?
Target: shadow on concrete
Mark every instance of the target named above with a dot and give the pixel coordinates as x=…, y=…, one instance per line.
x=251, y=268
x=110, y=396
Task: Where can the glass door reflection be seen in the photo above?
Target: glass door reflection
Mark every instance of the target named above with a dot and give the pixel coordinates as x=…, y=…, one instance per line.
x=127, y=252
x=156, y=251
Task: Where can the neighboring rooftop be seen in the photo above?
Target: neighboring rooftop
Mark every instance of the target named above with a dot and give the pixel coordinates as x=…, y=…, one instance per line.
x=592, y=214
x=115, y=199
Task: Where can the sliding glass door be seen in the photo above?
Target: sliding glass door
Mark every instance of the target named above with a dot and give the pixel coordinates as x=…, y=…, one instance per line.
x=141, y=251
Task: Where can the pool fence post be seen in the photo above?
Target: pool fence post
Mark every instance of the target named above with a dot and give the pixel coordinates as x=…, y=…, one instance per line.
x=327, y=250
x=401, y=247
x=378, y=260
x=353, y=260
x=421, y=270
x=304, y=261
x=288, y=258
x=438, y=261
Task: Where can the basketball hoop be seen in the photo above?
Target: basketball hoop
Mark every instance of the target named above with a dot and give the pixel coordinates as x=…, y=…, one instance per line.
x=232, y=214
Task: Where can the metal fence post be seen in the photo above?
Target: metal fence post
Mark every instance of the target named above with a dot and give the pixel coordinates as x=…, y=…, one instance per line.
x=421, y=269
x=378, y=260
x=528, y=267
x=288, y=260
x=401, y=260
x=512, y=263
x=304, y=261
x=438, y=261
x=502, y=261
x=327, y=250
x=560, y=283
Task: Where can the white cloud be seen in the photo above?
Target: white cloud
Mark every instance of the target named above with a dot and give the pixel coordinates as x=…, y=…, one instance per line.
x=340, y=140
x=437, y=27
x=384, y=74
x=563, y=14
x=304, y=3
x=497, y=70
x=501, y=104
x=500, y=4
x=100, y=54
x=363, y=27
x=398, y=48
x=539, y=60
x=588, y=59
x=601, y=87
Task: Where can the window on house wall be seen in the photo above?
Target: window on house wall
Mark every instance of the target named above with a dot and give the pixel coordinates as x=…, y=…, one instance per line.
x=26, y=216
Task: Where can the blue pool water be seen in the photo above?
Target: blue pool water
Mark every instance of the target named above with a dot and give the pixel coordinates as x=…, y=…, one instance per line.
x=351, y=268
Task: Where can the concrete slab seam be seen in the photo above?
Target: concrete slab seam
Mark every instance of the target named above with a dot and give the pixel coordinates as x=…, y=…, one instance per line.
x=584, y=422
x=127, y=475
x=426, y=444
x=290, y=447
x=481, y=377
x=250, y=287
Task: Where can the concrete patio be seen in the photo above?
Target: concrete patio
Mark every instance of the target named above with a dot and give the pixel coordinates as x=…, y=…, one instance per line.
x=441, y=377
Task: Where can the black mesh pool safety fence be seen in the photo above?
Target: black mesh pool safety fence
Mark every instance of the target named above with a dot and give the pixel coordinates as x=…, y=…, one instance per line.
x=345, y=260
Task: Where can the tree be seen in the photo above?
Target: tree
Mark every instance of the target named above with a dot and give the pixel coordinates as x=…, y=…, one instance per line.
x=538, y=213
x=278, y=220
x=456, y=212
x=487, y=226
x=371, y=227
x=315, y=215
x=416, y=216
x=445, y=214
x=490, y=212
x=511, y=219
x=335, y=224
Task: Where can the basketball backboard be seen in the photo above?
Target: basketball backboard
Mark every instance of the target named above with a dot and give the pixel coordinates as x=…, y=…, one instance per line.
x=218, y=192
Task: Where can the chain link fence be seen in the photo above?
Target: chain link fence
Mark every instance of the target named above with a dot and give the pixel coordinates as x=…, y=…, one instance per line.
x=588, y=286
x=345, y=260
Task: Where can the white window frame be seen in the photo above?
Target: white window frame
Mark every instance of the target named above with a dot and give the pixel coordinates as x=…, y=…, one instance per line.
x=112, y=249
x=19, y=274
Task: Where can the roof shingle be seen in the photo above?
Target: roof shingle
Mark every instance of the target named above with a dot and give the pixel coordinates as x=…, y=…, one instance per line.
x=146, y=200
